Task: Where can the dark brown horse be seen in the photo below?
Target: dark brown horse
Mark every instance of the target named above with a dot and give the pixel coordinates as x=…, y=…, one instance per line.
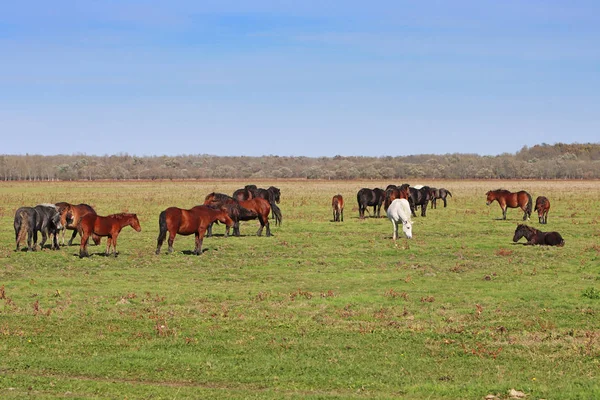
x=369, y=197
x=440, y=193
x=185, y=222
x=534, y=236
x=393, y=192
x=506, y=199
x=70, y=214
x=337, y=204
x=542, y=206
x=111, y=225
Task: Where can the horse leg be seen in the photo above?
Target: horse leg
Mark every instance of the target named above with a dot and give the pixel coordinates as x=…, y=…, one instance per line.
x=236, y=228
x=444, y=198
x=72, y=237
x=423, y=209
x=108, y=243
x=268, y=225
x=114, y=243
x=198, y=249
x=171, y=240
x=209, y=230
x=83, y=245
x=160, y=240
x=395, y=231
x=504, y=212
x=30, y=237
x=342, y=214
x=55, y=245
x=524, y=215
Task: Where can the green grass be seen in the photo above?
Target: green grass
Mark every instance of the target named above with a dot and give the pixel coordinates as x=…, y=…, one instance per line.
x=319, y=310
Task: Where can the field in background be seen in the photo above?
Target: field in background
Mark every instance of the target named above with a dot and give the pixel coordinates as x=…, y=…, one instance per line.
x=319, y=310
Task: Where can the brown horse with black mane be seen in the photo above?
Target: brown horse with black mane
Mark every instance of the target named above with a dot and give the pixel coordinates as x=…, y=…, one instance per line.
x=393, y=192
x=506, y=199
x=245, y=210
x=337, y=204
x=542, y=206
x=70, y=214
x=535, y=236
x=185, y=222
x=111, y=225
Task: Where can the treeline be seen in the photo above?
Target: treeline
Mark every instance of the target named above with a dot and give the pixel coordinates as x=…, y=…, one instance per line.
x=558, y=161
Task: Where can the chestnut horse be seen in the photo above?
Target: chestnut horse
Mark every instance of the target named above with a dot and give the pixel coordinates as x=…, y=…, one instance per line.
x=245, y=210
x=506, y=199
x=534, y=236
x=70, y=214
x=337, y=203
x=185, y=222
x=542, y=206
x=111, y=225
x=393, y=192
x=259, y=208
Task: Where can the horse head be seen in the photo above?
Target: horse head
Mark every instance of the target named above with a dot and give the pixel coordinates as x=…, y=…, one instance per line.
x=407, y=228
x=135, y=223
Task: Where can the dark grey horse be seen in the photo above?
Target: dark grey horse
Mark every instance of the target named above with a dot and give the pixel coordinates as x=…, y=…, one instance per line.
x=419, y=197
x=369, y=197
x=44, y=218
x=440, y=193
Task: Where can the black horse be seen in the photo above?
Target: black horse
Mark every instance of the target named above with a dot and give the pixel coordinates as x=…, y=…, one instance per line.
x=440, y=193
x=44, y=218
x=419, y=197
x=369, y=197
x=535, y=236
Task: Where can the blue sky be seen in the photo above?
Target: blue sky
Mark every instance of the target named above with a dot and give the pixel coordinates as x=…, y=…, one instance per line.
x=297, y=78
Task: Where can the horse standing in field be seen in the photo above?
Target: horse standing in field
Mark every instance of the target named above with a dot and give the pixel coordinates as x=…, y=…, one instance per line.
x=185, y=222
x=505, y=198
x=419, y=197
x=440, y=193
x=369, y=197
x=273, y=196
x=70, y=214
x=110, y=226
x=337, y=204
x=393, y=192
x=29, y=220
x=399, y=212
x=535, y=236
x=542, y=206
x=246, y=210
x=235, y=211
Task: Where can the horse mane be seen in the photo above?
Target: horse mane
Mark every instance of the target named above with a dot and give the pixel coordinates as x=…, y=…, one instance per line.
x=51, y=205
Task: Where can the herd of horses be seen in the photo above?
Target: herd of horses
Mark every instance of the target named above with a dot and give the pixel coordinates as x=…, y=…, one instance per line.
x=51, y=219
x=253, y=203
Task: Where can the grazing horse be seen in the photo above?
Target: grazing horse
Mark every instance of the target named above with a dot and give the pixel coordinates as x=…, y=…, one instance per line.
x=185, y=222
x=70, y=214
x=506, y=199
x=111, y=225
x=29, y=220
x=393, y=192
x=440, y=193
x=399, y=212
x=542, y=206
x=337, y=204
x=534, y=236
x=369, y=197
x=419, y=197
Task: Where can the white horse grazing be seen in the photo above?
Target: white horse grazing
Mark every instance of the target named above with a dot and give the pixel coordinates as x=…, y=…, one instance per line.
x=399, y=211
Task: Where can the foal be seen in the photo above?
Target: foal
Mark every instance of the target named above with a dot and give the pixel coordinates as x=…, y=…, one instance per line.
x=93, y=224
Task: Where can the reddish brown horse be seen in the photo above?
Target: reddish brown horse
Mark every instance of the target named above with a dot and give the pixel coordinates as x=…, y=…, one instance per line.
x=535, y=237
x=111, y=225
x=259, y=208
x=185, y=222
x=337, y=204
x=542, y=206
x=393, y=192
x=506, y=199
x=70, y=214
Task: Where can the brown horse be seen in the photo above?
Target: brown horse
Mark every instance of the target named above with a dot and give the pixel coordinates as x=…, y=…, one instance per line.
x=259, y=208
x=542, y=206
x=70, y=214
x=185, y=222
x=337, y=203
x=393, y=192
x=506, y=199
x=534, y=236
x=111, y=225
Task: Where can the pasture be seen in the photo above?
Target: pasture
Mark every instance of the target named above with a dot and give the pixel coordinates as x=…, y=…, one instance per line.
x=318, y=310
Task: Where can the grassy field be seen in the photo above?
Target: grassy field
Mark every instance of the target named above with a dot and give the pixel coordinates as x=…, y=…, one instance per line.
x=319, y=310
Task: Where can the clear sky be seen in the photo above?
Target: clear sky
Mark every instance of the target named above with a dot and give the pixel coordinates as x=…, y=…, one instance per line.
x=297, y=78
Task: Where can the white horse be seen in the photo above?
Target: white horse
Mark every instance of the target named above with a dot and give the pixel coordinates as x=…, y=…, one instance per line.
x=399, y=211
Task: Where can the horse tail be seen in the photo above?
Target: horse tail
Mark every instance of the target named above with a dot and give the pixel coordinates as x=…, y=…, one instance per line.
x=21, y=227
x=277, y=213
x=529, y=204
x=162, y=226
x=449, y=194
